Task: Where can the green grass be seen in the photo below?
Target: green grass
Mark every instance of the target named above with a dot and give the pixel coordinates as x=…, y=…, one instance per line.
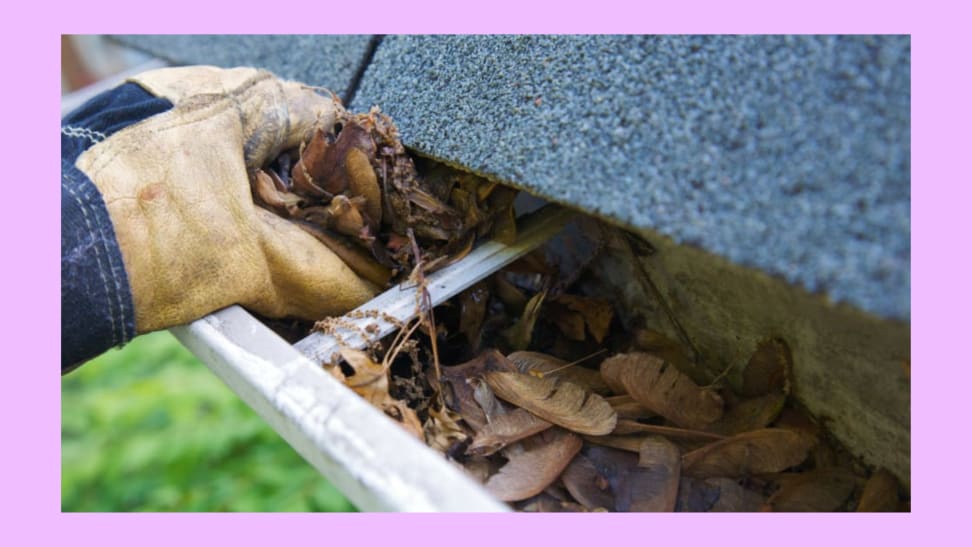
x=149, y=428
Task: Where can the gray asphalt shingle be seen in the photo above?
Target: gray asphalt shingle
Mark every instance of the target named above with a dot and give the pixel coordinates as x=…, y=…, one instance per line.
x=789, y=154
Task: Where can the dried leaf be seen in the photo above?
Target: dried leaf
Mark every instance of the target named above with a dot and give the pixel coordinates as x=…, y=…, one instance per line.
x=628, y=408
x=662, y=463
x=597, y=313
x=492, y=407
x=586, y=484
x=571, y=324
x=363, y=182
x=506, y=429
x=627, y=427
x=520, y=334
x=749, y=414
x=555, y=400
x=442, y=430
x=634, y=488
x=311, y=166
x=662, y=388
x=820, y=490
x=543, y=365
x=627, y=443
x=459, y=384
x=401, y=413
x=663, y=347
x=472, y=311
x=768, y=369
x=880, y=493
x=528, y=473
x=734, y=498
x=370, y=379
x=753, y=452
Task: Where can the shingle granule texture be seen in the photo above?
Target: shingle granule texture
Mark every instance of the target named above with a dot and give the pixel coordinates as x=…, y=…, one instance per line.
x=326, y=61
x=788, y=154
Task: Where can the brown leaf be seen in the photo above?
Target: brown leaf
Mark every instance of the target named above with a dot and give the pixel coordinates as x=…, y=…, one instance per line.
x=266, y=193
x=363, y=182
x=662, y=388
x=820, y=490
x=555, y=400
x=459, y=384
x=370, y=379
x=627, y=427
x=520, y=334
x=543, y=365
x=768, y=369
x=586, y=484
x=472, y=311
x=753, y=452
x=401, y=413
x=749, y=414
x=311, y=166
x=734, y=498
x=627, y=443
x=634, y=488
x=571, y=324
x=661, y=461
x=506, y=429
x=442, y=429
x=880, y=493
x=597, y=313
x=332, y=172
x=528, y=473
x=628, y=408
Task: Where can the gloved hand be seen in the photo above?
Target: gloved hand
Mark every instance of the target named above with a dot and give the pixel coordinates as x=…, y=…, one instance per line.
x=177, y=190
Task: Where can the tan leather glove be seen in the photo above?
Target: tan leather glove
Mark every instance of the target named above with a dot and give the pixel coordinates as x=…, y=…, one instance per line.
x=177, y=190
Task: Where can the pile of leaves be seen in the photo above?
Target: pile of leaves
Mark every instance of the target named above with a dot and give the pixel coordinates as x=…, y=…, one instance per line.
x=535, y=388
x=547, y=400
x=355, y=188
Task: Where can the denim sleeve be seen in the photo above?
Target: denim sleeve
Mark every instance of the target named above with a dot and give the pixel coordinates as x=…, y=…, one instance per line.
x=96, y=300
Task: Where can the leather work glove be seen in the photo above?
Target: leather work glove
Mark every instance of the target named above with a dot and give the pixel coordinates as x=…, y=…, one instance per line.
x=177, y=191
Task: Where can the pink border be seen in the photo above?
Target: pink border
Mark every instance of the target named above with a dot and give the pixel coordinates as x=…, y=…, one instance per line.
x=30, y=406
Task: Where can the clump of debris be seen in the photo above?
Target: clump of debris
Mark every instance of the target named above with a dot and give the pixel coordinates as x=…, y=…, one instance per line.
x=528, y=379
x=355, y=188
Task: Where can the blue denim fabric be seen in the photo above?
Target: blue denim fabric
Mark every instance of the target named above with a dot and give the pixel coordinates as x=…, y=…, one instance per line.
x=96, y=300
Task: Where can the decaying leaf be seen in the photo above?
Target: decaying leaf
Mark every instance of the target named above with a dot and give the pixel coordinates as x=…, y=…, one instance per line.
x=570, y=323
x=459, y=383
x=627, y=443
x=555, y=400
x=506, y=429
x=472, y=311
x=880, y=493
x=661, y=388
x=627, y=427
x=768, y=369
x=753, y=452
x=749, y=414
x=661, y=462
x=543, y=365
x=820, y=490
x=370, y=379
x=587, y=485
x=734, y=497
x=596, y=313
x=442, y=430
x=520, y=334
x=627, y=408
x=529, y=473
x=634, y=488
x=663, y=347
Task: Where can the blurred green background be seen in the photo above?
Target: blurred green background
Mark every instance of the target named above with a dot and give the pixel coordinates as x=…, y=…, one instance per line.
x=149, y=428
